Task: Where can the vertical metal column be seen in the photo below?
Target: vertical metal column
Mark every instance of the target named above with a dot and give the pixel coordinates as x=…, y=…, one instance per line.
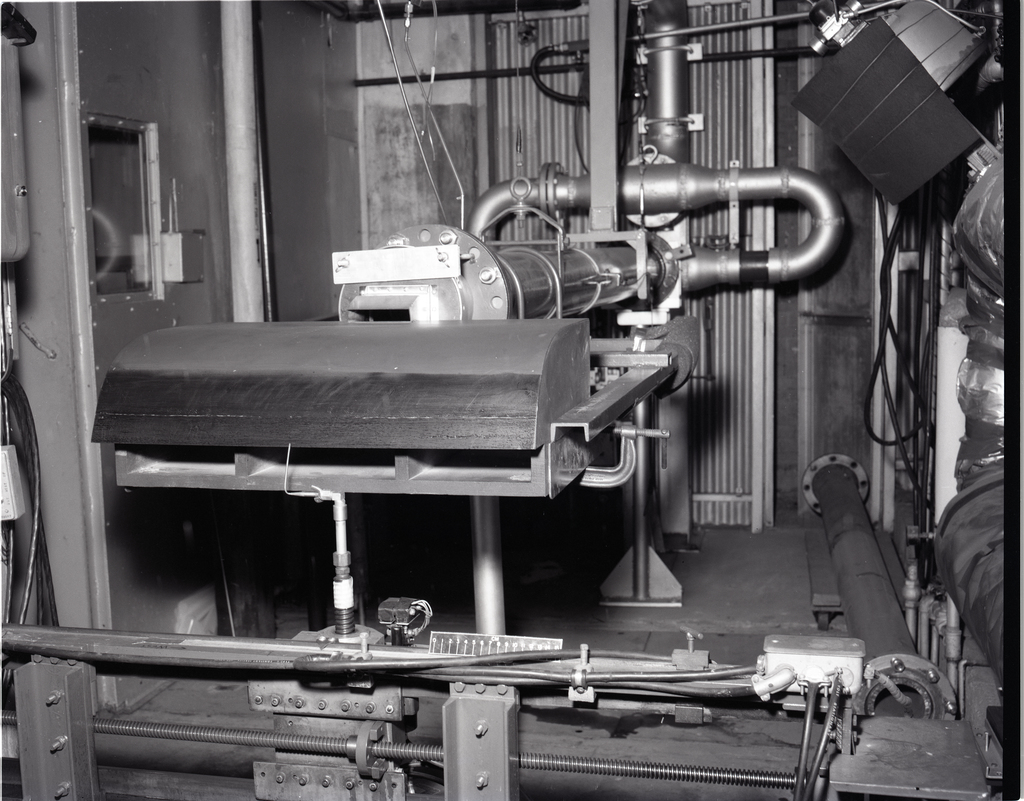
x=487, y=576
x=641, y=578
x=56, y=748
x=641, y=494
x=604, y=99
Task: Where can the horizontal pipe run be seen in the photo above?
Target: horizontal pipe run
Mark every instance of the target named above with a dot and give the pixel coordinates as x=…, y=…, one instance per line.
x=873, y=612
x=685, y=187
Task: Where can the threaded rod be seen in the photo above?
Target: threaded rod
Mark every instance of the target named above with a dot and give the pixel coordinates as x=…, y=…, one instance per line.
x=345, y=746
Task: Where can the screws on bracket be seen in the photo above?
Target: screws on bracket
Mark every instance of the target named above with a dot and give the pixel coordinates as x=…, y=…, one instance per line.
x=62, y=790
x=321, y=705
x=257, y=699
x=370, y=707
x=349, y=784
x=279, y=778
x=58, y=744
x=54, y=698
x=481, y=728
x=275, y=700
x=482, y=779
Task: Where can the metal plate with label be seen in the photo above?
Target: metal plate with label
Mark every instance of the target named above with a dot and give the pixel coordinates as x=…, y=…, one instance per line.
x=463, y=644
x=396, y=264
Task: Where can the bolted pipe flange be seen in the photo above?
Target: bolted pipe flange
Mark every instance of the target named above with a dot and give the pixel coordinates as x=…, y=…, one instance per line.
x=933, y=694
x=833, y=460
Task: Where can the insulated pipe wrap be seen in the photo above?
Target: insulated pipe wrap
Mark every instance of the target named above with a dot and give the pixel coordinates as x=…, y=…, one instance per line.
x=873, y=613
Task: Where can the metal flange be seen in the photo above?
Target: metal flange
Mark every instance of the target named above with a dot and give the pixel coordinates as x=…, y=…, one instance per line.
x=833, y=460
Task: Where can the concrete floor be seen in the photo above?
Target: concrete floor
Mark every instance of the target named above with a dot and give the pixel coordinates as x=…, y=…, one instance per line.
x=737, y=588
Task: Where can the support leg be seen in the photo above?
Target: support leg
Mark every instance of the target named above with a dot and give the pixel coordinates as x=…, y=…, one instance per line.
x=487, y=574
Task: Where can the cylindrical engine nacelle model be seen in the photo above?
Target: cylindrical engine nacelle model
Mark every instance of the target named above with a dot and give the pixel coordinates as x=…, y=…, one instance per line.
x=437, y=272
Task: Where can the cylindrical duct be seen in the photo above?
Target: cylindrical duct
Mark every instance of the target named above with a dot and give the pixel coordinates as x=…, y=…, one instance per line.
x=668, y=83
x=872, y=611
x=589, y=277
x=240, y=142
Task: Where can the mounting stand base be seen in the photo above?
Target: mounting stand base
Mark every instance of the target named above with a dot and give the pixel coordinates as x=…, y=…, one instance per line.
x=662, y=591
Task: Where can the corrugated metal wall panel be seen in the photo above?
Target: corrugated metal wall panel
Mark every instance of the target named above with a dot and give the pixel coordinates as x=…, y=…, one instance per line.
x=721, y=411
x=548, y=127
x=721, y=415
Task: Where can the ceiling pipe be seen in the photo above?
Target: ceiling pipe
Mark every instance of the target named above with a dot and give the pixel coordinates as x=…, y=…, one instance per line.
x=683, y=187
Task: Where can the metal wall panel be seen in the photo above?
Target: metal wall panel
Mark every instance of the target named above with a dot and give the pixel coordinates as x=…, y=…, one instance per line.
x=721, y=416
x=548, y=127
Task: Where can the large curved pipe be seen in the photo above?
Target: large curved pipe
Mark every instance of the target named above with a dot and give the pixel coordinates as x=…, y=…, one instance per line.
x=684, y=187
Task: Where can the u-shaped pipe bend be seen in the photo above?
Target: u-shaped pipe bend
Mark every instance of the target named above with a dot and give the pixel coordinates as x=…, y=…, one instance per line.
x=685, y=187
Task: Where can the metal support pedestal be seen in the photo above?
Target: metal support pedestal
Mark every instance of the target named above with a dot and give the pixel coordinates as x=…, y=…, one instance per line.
x=488, y=586
x=641, y=578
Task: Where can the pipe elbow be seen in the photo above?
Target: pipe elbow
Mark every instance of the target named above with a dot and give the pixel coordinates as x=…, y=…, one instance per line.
x=497, y=199
x=827, y=223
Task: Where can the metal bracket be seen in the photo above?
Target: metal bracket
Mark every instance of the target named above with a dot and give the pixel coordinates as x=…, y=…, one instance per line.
x=56, y=748
x=734, y=203
x=370, y=732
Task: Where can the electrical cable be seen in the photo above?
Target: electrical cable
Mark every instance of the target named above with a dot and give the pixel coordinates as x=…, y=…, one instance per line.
x=547, y=52
x=807, y=783
x=408, y=109
x=886, y=328
x=430, y=110
x=805, y=738
x=38, y=572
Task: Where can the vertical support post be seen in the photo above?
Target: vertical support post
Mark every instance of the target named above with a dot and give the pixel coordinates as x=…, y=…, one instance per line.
x=481, y=743
x=487, y=574
x=604, y=98
x=641, y=494
x=56, y=748
x=240, y=144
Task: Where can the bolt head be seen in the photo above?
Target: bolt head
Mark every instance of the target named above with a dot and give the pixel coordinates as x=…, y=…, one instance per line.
x=257, y=699
x=299, y=703
x=326, y=782
x=442, y=256
x=370, y=708
x=446, y=237
x=349, y=784
x=897, y=665
x=345, y=706
x=933, y=676
x=459, y=686
x=275, y=700
x=951, y=707
x=389, y=709
x=303, y=780
x=373, y=787
x=279, y=778
x=322, y=705
x=502, y=689
x=482, y=779
x=488, y=275
x=62, y=790
x=481, y=728
x=480, y=689
x=762, y=663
